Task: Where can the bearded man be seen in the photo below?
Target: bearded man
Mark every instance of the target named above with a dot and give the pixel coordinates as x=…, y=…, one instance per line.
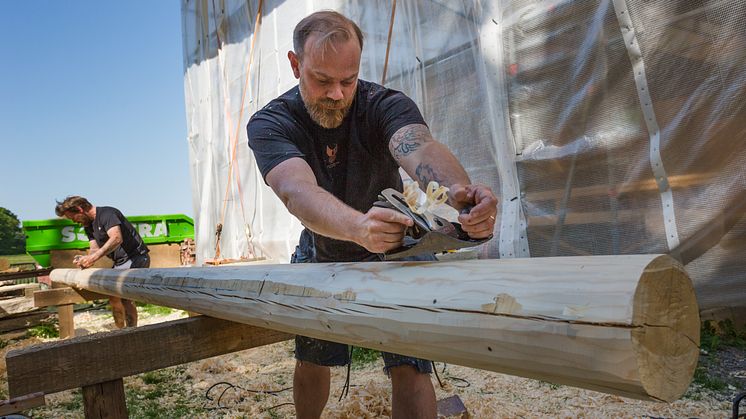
x=327, y=148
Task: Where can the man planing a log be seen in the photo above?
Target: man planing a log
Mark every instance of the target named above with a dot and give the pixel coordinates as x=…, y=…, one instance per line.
x=327, y=148
x=109, y=234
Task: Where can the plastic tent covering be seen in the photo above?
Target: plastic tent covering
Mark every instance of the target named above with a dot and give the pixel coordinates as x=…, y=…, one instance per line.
x=604, y=126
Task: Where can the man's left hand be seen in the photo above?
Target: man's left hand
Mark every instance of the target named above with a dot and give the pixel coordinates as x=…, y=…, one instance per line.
x=479, y=222
x=84, y=261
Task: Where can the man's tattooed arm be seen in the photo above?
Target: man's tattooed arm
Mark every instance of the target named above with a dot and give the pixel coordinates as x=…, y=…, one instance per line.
x=426, y=174
x=408, y=139
x=424, y=158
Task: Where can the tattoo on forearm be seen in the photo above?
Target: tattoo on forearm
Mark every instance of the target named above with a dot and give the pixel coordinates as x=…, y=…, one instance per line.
x=402, y=149
x=425, y=174
x=408, y=139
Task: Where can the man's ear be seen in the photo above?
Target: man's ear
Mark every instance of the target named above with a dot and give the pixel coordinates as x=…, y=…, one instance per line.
x=294, y=64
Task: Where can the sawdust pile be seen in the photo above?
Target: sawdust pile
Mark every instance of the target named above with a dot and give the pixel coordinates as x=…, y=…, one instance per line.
x=257, y=384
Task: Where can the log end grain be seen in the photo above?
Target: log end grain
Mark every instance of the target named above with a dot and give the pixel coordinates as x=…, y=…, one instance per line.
x=666, y=329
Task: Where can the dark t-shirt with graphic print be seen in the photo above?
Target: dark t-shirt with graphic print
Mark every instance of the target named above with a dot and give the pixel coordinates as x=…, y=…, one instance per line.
x=132, y=244
x=352, y=161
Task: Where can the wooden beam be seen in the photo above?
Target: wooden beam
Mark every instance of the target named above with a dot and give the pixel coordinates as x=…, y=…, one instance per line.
x=646, y=185
x=19, y=289
x=626, y=325
x=4, y=276
x=105, y=400
x=21, y=403
x=67, y=295
x=66, y=318
x=86, y=360
x=16, y=334
x=11, y=306
x=23, y=321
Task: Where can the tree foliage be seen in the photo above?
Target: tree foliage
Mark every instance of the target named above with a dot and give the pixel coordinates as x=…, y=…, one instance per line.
x=12, y=239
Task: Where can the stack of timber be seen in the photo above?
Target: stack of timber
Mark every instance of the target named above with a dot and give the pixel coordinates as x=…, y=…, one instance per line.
x=626, y=325
x=17, y=310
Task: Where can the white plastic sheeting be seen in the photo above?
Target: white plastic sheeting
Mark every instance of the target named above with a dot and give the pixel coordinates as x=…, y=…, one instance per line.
x=605, y=127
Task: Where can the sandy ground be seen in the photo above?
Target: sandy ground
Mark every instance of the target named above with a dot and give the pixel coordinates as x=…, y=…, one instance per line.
x=231, y=386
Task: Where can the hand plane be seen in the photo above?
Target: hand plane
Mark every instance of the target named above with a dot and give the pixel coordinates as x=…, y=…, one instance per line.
x=424, y=237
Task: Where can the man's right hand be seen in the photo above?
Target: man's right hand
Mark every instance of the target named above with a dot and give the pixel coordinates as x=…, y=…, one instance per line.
x=382, y=229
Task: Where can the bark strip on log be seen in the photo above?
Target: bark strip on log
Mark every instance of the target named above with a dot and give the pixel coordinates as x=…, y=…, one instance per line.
x=626, y=325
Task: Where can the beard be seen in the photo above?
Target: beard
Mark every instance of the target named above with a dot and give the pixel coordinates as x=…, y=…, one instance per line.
x=326, y=112
x=86, y=220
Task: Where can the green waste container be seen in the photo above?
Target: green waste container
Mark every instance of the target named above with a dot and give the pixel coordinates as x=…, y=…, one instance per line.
x=61, y=234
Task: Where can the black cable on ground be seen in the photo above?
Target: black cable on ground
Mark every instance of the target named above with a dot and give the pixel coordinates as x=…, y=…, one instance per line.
x=230, y=386
x=278, y=405
x=435, y=370
x=464, y=382
x=346, y=387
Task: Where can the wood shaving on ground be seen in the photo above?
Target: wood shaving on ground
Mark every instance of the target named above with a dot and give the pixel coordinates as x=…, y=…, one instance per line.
x=256, y=384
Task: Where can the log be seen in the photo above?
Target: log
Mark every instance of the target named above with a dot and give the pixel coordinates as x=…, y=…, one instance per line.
x=626, y=325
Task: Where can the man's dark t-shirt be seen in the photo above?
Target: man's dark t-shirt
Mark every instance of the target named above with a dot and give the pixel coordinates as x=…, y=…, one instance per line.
x=352, y=161
x=132, y=244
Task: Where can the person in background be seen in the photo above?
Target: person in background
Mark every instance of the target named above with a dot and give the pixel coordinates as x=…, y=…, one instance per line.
x=110, y=235
x=327, y=148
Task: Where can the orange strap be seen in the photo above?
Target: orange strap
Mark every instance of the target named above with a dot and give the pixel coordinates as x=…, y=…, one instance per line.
x=233, y=164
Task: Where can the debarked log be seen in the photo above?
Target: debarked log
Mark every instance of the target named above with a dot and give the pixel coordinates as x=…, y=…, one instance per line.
x=626, y=325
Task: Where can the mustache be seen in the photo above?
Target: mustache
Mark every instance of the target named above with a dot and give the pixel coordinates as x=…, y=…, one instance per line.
x=332, y=104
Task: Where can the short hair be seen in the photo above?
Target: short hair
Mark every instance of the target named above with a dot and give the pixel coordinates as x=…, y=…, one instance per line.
x=70, y=203
x=330, y=25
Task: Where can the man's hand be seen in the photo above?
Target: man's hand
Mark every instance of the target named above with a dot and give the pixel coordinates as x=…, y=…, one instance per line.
x=479, y=223
x=382, y=229
x=84, y=261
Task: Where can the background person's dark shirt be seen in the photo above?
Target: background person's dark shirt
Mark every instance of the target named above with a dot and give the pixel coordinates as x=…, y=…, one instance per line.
x=352, y=161
x=132, y=244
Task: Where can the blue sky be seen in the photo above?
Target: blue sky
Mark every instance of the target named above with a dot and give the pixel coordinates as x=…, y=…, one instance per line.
x=92, y=104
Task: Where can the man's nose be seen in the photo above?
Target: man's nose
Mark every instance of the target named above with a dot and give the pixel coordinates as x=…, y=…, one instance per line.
x=335, y=93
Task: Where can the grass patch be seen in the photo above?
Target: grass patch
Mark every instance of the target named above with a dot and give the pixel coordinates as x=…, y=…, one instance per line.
x=73, y=408
x=146, y=401
x=706, y=381
x=47, y=329
x=155, y=377
x=154, y=310
x=361, y=357
x=731, y=336
x=75, y=404
x=713, y=336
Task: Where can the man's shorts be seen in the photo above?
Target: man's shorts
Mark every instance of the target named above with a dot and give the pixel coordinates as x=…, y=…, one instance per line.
x=333, y=354
x=139, y=261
